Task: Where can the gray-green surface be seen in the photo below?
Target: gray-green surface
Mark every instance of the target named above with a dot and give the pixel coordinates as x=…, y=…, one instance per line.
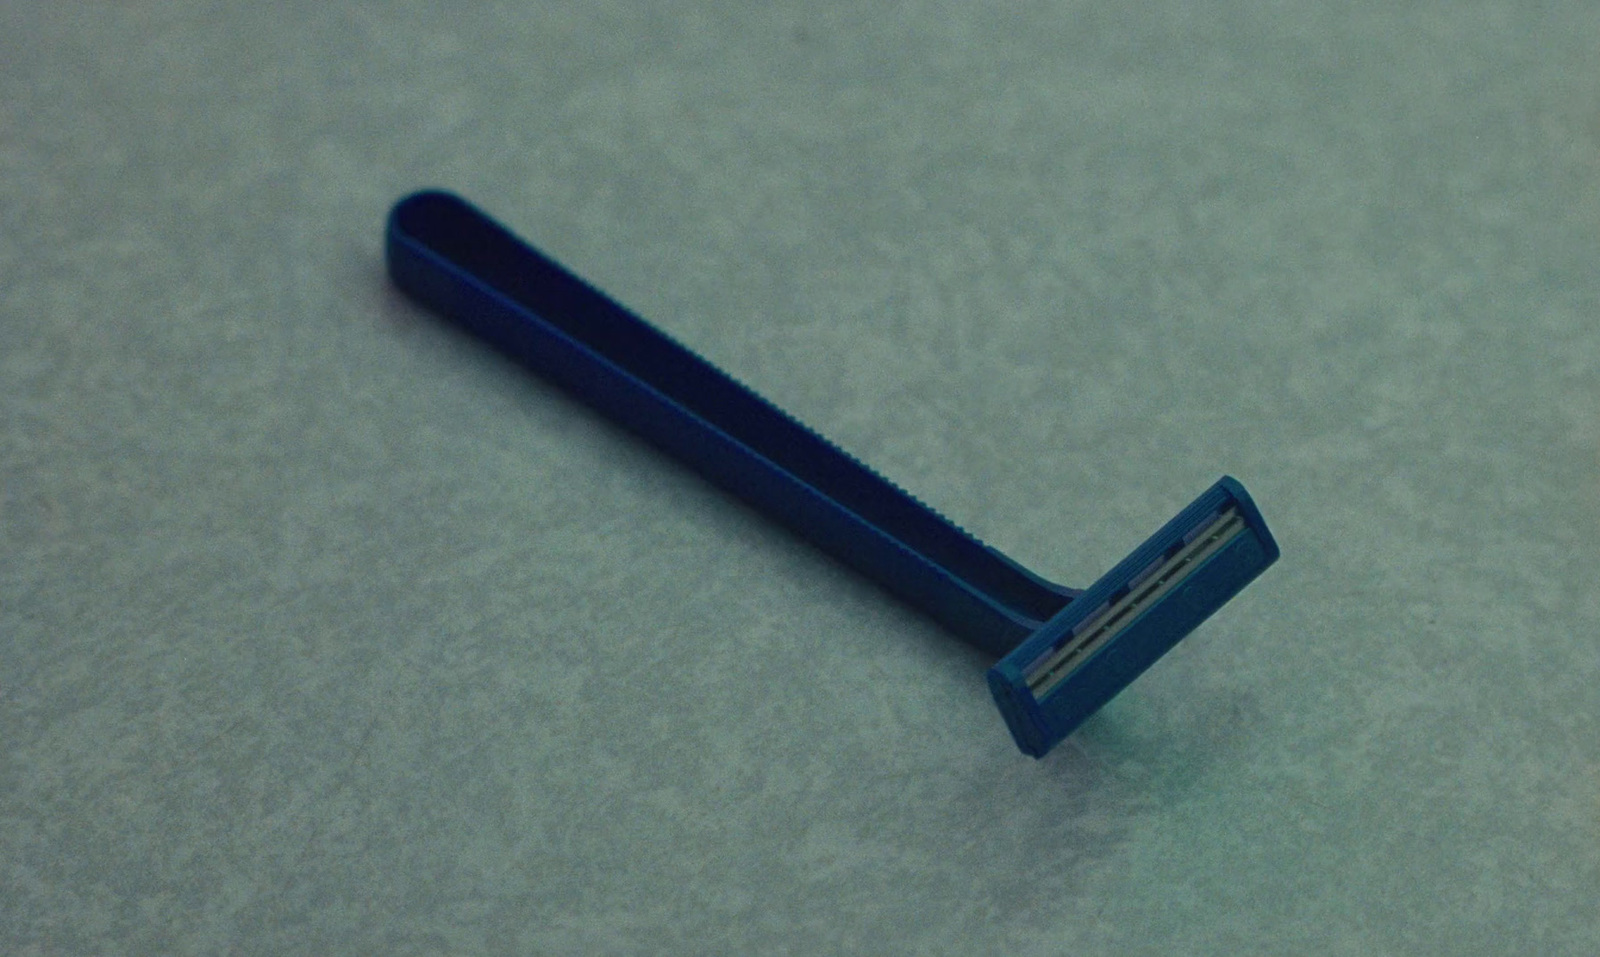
x=322, y=631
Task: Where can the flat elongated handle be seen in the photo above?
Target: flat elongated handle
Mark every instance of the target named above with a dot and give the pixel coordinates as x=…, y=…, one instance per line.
x=457, y=261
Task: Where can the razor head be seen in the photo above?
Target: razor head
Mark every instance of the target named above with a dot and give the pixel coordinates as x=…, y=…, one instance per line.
x=1107, y=636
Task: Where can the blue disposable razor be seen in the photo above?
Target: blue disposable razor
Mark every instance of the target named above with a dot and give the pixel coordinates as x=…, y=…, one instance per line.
x=1063, y=652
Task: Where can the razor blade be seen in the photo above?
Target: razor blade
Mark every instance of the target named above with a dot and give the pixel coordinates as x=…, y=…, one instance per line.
x=1063, y=653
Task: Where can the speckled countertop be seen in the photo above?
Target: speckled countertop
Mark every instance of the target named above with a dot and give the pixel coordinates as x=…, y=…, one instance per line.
x=323, y=631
